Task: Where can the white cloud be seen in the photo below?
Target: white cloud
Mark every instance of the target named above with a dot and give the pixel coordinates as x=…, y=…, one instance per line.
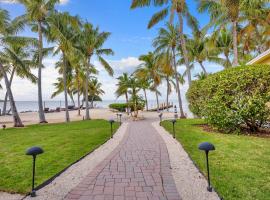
x=15, y=1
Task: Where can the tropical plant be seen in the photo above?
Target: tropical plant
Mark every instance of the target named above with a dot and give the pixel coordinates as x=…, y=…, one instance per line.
x=91, y=43
x=135, y=100
x=36, y=15
x=95, y=91
x=178, y=7
x=149, y=70
x=16, y=54
x=167, y=41
x=14, y=58
x=62, y=30
x=123, y=86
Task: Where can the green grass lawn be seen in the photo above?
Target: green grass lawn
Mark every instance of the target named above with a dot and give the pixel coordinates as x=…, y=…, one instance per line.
x=240, y=166
x=63, y=144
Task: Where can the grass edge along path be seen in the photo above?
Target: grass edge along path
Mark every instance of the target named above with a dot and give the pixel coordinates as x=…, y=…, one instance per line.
x=63, y=144
x=240, y=166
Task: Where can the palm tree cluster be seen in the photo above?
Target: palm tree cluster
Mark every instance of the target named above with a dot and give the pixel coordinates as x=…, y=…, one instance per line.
x=238, y=30
x=74, y=41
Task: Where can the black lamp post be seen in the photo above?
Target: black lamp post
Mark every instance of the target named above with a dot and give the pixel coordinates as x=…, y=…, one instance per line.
x=206, y=146
x=160, y=118
x=111, y=121
x=117, y=115
x=173, y=122
x=120, y=118
x=34, y=151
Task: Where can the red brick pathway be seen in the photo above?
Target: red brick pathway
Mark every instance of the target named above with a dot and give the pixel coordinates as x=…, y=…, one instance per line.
x=137, y=169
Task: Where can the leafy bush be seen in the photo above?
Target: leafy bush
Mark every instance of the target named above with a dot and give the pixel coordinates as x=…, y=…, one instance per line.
x=233, y=97
x=118, y=106
x=121, y=107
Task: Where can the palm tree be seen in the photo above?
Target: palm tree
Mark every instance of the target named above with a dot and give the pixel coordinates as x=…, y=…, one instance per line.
x=222, y=44
x=224, y=11
x=178, y=7
x=122, y=87
x=201, y=76
x=95, y=91
x=165, y=60
x=11, y=58
x=62, y=32
x=134, y=85
x=36, y=13
x=145, y=85
x=17, y=53
x=91, y=44
x=150, y=70
x=167, y=41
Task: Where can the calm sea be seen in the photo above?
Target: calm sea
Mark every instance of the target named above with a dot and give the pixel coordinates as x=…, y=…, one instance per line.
x=27, y=106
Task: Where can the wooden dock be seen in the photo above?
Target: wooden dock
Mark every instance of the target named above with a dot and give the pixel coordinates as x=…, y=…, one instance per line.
x=162, y=106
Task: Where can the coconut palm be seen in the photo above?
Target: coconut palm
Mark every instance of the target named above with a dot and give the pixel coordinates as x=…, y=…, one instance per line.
x=135, y=87
x=145, y=85
x=91, y=43
x=222, y=12
x=17, y=54
x=36, y=14
x=167, y=41
x=150, y=70
x=11, y=56
x=178, y=7
x=95, y=91
x=165, y=60
x=223, y=42
x=62, y=30
x=122, y=87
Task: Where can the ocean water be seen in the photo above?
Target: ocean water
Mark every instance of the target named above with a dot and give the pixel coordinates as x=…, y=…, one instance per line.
x=27, y=106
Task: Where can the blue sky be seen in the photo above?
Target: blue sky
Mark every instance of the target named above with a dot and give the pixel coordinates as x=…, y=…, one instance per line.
x=130, y=37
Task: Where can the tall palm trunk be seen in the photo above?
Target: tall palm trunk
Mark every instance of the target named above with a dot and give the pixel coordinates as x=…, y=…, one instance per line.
x=16, y=118
x=203, y=68
x=6, y=95
x=126, y=94
x=78, y=90
x=157, y=100
x=184, y=47
x=182, y=115
x=228, y=62
x=65, y=88
x=146, y=100
x=235, y=45
x=87, y=114
x=168, y=91
x=40, y=57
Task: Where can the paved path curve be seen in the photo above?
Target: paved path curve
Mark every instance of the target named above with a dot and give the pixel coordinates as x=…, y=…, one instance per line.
x=139, y=168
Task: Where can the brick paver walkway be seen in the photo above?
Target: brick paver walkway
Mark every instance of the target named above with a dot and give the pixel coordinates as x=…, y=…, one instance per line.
x=138, y=168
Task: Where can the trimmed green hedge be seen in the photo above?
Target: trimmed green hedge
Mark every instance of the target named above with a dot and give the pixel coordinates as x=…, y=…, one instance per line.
x=118, y=106
x=233, y=97
x=121, y=107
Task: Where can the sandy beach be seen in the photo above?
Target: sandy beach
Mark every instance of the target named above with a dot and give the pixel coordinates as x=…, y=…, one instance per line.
x=58, y=117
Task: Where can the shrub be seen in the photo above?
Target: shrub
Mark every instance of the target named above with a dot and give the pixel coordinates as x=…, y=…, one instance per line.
x=121, y=107
x=118, y=106
x=233, y=97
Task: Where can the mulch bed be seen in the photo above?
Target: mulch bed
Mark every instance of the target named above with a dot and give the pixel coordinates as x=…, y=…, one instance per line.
x=262, y=133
